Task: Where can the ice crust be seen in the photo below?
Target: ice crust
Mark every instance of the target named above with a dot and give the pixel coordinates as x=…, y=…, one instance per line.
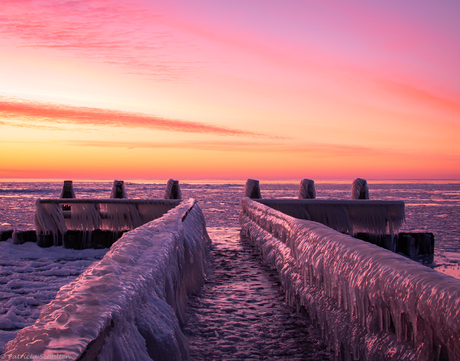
x=346, y=216
x=90, y=214
x=370, y=303
x=137, y=293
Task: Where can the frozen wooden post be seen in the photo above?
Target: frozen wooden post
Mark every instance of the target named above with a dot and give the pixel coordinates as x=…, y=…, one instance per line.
x=118, y=189
x=67, y=190
x=359, y=189
x=67, y=193
x=307, y=189
x=172, y=190
x=252, y=189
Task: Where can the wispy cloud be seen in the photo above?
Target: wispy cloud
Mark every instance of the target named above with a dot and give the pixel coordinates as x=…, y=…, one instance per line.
x=126, y=34
x=35, y=113
x=427, y=98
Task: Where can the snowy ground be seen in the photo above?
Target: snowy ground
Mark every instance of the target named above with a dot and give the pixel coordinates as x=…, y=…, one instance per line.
x=31, y=276
x=241, y=313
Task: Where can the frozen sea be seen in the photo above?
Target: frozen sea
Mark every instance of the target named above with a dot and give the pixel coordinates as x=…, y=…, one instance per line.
x=31, y=276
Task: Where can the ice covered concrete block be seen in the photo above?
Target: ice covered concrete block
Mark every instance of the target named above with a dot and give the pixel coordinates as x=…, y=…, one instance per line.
x=20, y=237
x=104, y=238
x=172, y=190
x=4, y=235
x=307, y=189
x=76, y=239
x=359, y=189
x=252, y=189
x=47, y=240
x=386, y=241
x=118, y=189
x=413, y=243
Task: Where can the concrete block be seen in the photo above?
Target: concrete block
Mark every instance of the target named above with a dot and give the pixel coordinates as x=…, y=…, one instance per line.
x=21, y=237
x=5, y=235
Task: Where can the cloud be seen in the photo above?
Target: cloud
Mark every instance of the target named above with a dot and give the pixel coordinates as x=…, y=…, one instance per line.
x=421, y=96
x=35, y=113
x=279, y=146
x=128, y=34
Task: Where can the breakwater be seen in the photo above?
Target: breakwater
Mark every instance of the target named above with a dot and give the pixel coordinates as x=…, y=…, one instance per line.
x=370, y=303
x=130, y=304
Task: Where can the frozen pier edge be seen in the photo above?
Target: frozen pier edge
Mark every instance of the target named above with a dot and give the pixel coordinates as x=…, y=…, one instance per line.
x=131, y=303
x=370, y=303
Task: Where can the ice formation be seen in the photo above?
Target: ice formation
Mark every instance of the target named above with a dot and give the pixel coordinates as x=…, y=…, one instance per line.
x=67, y=190
x=252, y=189
x=118, y=189
x=133, y=300
x=346, y=216
x=172, y=190
x=359, y=189
x=90, y=214
x=307, y=189
x=370, y=303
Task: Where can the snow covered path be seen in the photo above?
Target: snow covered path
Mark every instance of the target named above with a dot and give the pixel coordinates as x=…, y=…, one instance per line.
x=241, y=313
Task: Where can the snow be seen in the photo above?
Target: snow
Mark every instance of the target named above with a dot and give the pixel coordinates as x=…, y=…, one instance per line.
x=370, y=303
x=137, y=294
x=30, y=277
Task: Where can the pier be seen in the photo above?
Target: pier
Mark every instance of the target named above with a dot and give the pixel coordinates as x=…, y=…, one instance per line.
x=360, y=298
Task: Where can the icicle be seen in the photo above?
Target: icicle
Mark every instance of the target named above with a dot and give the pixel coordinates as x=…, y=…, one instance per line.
x=84, y=217
x=125, y=293
x=91, y=214
x=48, y=219
x=365, y=299
x=346, y=216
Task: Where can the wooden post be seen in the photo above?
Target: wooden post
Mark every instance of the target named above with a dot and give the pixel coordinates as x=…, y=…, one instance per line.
x=359, y=189
x=307, y=189
x=172, y=190
x=118, y=189
x=252, y=189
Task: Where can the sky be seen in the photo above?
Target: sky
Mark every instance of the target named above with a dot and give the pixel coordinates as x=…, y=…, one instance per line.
x=230, y=89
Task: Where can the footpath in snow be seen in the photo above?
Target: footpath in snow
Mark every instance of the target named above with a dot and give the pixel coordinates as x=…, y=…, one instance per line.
x=240, y=313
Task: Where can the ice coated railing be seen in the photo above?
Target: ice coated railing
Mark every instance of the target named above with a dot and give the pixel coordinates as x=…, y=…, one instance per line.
x=129, y=305
x=91, y=214
x=346, y=216
x=370, y=303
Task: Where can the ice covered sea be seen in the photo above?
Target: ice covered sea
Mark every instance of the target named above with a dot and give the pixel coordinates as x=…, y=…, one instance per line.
x=31, y=276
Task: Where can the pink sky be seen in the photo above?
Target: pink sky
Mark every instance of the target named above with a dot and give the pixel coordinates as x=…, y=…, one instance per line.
x=229, y=89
